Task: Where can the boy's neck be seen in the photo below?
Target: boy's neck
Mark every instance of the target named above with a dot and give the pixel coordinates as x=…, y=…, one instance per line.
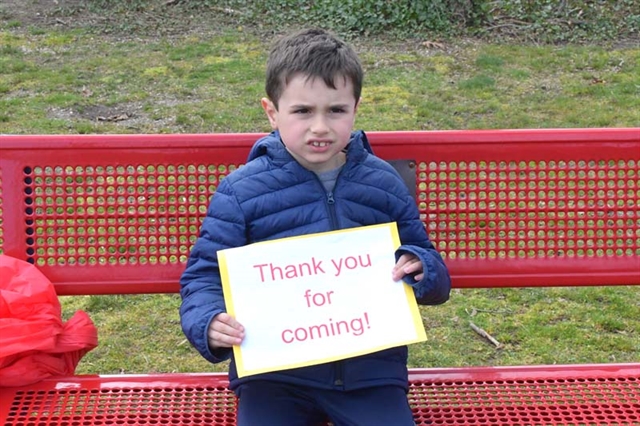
x=336, y=162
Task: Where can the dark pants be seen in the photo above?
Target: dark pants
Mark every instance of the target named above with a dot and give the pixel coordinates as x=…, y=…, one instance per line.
x=263, y=403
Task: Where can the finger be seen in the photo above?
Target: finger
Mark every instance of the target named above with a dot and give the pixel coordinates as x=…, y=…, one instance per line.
x=398, y=268
x=222, y=335
x=226, y=330
x=219, y=340
x=403, y=260
x=407, y=264
x=228, y=320
x=400, y=275
x=413, y=266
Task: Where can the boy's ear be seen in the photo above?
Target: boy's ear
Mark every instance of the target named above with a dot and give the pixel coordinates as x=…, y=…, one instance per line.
x=271, y=111
x=355, y=109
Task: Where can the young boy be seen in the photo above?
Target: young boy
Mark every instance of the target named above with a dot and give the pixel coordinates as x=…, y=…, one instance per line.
x=312, y=174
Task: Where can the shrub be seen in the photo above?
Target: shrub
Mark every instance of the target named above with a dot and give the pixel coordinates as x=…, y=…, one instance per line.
x=558, y=21
x=539, y=20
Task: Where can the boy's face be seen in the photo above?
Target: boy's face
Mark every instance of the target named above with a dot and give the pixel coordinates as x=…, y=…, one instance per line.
x=314, y=120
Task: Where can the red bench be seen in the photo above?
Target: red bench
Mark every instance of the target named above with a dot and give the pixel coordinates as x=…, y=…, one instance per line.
x=117, y=214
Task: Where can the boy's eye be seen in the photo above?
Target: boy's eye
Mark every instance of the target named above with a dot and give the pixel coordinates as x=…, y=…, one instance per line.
x=337, y=110
x=301, y=111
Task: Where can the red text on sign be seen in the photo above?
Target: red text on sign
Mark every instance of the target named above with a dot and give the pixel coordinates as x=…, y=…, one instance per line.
x=357, y=326
x=269, y=271
x=318, y=299
x=351, y=262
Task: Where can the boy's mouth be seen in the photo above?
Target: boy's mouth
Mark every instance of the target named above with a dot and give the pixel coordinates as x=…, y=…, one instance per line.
x=319, y=144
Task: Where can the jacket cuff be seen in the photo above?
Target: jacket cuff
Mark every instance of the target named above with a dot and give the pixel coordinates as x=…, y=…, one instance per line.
x=410, y=278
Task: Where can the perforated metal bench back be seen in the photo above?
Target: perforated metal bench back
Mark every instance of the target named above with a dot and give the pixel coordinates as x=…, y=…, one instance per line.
x=505, y=208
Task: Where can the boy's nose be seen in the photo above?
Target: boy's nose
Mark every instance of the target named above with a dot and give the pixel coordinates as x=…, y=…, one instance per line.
x=319, y=125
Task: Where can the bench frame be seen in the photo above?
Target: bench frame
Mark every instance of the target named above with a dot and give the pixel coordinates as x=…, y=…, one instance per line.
x=576, y=190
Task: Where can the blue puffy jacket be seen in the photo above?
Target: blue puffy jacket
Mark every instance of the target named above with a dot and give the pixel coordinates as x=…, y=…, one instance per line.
x=273, y=196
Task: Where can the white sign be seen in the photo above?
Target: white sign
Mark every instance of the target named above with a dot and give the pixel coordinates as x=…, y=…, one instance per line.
x=317, y=298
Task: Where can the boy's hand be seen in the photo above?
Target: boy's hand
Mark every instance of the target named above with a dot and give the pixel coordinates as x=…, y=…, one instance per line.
x=224, y=331
x=408, y=264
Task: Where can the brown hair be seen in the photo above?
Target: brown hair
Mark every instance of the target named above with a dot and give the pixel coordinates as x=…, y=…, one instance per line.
x=314, y=53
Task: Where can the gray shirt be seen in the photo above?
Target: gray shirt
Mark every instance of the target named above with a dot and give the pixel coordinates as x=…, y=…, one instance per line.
x=329, y=178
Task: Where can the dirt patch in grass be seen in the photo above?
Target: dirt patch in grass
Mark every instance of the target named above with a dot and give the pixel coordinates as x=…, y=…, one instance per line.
x=105, y=113
x=157, y=18
x=42, y=12
x=126, y=117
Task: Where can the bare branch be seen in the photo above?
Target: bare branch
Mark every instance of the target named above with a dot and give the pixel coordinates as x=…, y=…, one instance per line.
x=484, y=334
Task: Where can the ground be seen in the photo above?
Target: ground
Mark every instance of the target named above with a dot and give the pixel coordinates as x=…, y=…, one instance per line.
x=39, y=12
x=159, y=16
x=163, y=18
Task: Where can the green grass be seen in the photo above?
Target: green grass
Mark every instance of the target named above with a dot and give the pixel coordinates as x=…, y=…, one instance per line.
x=213, y=82
x=61, y=81
x=141, y=334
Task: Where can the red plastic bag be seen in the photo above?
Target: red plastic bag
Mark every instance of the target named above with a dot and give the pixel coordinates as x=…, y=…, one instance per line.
x=34, y=342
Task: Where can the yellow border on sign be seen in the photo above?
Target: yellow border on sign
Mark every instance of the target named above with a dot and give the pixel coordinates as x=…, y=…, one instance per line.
x=228, y=301
x=421, y=335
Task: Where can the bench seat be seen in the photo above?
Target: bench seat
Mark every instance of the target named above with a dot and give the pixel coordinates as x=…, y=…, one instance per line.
x=595, y=394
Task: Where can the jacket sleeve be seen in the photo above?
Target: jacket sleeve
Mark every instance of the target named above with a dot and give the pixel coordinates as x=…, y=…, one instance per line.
x=201, y=284
x=435, y=287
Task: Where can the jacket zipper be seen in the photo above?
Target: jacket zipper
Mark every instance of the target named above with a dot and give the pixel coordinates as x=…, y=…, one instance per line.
x=331, y=203
x=338, y=366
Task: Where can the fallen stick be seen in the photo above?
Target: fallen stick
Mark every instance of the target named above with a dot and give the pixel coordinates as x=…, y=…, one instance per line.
x=484, y=334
